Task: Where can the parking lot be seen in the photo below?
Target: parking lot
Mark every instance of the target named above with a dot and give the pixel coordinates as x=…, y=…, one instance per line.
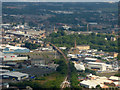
x=37, y=71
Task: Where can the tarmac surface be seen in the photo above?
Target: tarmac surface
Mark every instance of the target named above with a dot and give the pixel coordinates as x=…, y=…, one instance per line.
x=37, y=71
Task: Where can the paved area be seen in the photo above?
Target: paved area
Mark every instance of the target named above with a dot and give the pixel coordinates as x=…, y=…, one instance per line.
x=38, y=71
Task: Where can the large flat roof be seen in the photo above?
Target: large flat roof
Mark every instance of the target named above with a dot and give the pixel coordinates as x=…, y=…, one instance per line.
x=15, y=47
x=89, y=82
x=14, y=74
x=2, y=70
x=95, y=63
x=90, y=58
x=114, y=78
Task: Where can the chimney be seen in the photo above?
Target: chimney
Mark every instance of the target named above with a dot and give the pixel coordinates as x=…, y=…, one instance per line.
x=75, y=43
x=87, y=27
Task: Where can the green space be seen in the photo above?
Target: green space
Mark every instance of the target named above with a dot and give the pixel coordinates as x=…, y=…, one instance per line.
x=96, y=41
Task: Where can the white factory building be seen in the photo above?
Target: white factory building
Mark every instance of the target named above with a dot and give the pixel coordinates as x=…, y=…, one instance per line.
x=89, y=84
x=63, y=48
x=114, y=78
x=92, y=83
x=79, y=66
x=99, y=66
x=90, y=59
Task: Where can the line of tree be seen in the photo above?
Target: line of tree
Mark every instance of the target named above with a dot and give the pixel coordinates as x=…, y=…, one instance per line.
x=31, y=45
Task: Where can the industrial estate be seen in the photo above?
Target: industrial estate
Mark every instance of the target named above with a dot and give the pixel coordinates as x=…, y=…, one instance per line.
x=59, y=46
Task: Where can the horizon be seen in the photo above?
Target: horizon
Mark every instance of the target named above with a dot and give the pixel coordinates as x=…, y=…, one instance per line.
x=110, y=1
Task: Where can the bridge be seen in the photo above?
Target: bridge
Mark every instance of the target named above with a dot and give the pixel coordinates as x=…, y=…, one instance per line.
x=66, y=82
x=60, y=52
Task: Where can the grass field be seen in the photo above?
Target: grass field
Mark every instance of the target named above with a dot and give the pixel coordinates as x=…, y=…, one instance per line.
x=52, y=80
x=106, y=74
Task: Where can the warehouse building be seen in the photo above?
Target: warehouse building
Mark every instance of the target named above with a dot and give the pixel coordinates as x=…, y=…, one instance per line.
x=90, y=60
x=97, y=66
x=88, y=84
x=95, y=81
x=114, y=78
x=14, y=75
x=4, y=71
x=79, y=66
x=13, y=57
x=14, y=49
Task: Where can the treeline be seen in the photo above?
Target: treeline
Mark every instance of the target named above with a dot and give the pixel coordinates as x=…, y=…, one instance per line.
x=62, y=68
x=31, y=45
x=95, y=41
x=74, y=76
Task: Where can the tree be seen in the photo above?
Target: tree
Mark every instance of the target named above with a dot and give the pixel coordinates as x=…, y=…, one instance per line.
x=31, y=46
x=90, y=71
x=20, y=66
x=62, y=68
x=98, y=87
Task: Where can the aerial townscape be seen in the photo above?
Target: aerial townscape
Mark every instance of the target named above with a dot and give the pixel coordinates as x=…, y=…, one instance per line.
x=59, y=45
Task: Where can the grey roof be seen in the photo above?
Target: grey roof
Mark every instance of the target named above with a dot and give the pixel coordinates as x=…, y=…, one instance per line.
x=14, y=74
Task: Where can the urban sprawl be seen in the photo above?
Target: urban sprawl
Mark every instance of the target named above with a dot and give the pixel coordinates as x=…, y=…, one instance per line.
x=57, y=55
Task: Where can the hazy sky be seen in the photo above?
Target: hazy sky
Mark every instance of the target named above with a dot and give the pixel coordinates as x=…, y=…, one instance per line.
x=57, y=0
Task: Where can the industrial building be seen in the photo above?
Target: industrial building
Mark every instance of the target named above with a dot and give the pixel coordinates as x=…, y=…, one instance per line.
x=18, y=33
x=88, y=84
x=3, y=66
x=79, y=66
x=94, y=81
x=4, y=70
x=114, y=78
x=83, y=47
x=98, y=66
x=90, y=60
x=13, y=49
x=13, y=57
x=114, y=54
x=63, y=48
x=49, y=48
x=14, y=75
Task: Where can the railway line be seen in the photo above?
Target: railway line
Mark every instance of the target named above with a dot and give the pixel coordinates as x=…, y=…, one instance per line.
x=66, y=82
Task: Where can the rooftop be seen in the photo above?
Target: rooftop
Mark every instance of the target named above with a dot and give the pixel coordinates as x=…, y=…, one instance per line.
x=90, y=58
x=114, y=78
x=96, y=63
x=14, y=47
x=15, y=74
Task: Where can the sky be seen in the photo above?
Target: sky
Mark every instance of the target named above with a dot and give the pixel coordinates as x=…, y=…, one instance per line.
x=57, y=0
